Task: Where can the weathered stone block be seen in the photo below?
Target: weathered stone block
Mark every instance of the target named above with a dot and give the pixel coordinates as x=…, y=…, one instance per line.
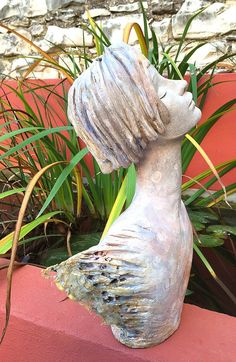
x=3, y=30
x=114, y=28
x=12, y=45
x=94, y=13
x=216, y=19
x=34, y=8
x=68, y=37
x=67, y=16
x=162, y=6
x=6, y=10
x=207, y=53
x=16, y=22
x=67, y=62
x=22, y=8
x=37, y=29
x=127, y=8
x=233, y=47
x=44, y=45
x=20, y=66
x=231, y=36
x=58, y=4
x=94, y=3
x=162, y=29
x=5, y=68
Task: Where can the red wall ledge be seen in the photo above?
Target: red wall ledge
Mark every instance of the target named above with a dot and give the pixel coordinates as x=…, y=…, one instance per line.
x=43, y=328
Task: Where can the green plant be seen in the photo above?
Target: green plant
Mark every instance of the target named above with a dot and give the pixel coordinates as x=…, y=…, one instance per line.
x=41, y=156
x=176, y=69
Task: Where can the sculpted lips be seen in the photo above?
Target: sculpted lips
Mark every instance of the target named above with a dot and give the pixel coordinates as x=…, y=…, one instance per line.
x=191, y=103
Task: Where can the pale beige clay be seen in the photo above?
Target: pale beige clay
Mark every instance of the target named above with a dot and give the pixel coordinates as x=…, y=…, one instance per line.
x=136, y=277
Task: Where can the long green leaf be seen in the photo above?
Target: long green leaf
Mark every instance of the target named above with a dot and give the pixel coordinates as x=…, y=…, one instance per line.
x=6, y=242
x=173, y=65
x=145, y=25
x=11, y=192
x=131, y=183
x=61, y=179
x=188, y=24
x=193, y=80
x=154, y=55
x=33, y=139
x=188, y=150
x=212, y=272
x=18, y=131
x=183, y=66
x=117, y=207
x=198, y=193
x=218, y=195
x=203, y=175
x=213, y=64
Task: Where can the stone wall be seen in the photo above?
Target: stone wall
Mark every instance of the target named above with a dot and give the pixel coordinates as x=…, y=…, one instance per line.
x=54, y=25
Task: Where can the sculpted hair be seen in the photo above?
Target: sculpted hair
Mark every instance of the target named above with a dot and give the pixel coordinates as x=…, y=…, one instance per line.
x=115, y=109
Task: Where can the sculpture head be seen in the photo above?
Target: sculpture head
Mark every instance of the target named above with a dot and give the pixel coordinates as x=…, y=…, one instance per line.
x=121, y=103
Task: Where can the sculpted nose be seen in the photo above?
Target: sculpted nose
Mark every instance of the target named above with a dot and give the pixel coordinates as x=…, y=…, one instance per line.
x=181, y=86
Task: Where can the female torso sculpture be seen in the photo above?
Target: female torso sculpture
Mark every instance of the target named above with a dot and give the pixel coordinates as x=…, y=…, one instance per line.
x=136, y=277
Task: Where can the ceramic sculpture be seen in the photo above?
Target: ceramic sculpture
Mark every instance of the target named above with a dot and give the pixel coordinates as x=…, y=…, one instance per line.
x=136, y=277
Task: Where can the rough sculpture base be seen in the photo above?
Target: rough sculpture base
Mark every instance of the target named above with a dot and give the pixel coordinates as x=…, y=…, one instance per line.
x=148, y=338
x=134, y=342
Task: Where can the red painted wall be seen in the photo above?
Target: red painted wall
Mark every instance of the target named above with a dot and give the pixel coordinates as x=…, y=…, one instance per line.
x=44, y=328
x=219, y=144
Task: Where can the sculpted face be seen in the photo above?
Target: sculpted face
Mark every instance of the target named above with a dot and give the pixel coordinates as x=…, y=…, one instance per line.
x=173, y=93
x=121, y=103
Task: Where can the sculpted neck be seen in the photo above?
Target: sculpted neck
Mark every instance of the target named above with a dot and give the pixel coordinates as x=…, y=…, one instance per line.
x=159, y=174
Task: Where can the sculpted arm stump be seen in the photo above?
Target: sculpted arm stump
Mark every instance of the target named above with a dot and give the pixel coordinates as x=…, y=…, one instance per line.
x=136, y=277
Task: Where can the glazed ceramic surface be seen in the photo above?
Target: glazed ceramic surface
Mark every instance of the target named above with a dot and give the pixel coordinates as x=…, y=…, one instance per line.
x=136, y=277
